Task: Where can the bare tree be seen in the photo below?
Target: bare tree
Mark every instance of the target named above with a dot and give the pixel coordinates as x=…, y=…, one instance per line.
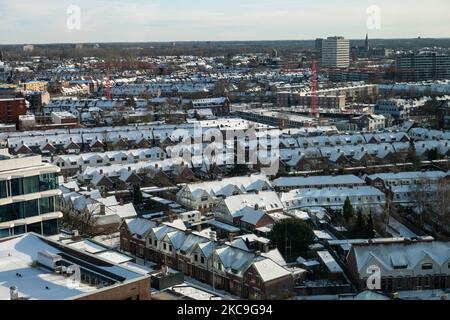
x=441, y=201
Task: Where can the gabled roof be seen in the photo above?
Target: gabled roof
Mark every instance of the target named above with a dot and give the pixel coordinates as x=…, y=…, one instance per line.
x=397, y=254
x=269, y=270
x=140, y=227
x=250, y=215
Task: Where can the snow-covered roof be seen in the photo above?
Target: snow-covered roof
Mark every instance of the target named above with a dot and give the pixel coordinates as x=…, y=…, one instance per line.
x=403, y=254
x=140, y=226
x=18, y=256
x=269, y=270
x=300, y=182
x=329, y=262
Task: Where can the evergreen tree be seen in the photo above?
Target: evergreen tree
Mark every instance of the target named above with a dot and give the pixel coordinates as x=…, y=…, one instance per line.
x=370, y=232
x=293, y=235
x=137, y=195
x=348, y=209
x=433, y=154
x=412, y=156
x=360, y=226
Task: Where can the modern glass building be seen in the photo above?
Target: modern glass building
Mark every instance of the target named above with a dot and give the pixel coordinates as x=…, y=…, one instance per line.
x=29, y=196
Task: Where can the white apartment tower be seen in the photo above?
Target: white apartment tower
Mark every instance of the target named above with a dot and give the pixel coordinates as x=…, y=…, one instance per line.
x=335, y=52
x=29, y=195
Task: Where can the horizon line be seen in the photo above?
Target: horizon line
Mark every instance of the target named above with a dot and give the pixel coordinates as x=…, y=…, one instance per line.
x=213, y=41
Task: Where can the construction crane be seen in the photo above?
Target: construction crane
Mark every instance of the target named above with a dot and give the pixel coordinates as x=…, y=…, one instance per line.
x=108, y=81
x=314, y=89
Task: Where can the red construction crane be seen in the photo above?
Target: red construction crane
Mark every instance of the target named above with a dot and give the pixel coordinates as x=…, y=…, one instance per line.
x=108, y=81
x=314, y=88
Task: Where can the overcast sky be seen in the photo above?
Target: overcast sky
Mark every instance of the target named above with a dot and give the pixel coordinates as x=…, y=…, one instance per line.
x=45, y=21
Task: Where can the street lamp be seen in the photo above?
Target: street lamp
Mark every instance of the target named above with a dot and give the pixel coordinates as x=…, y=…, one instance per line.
x=213, y=238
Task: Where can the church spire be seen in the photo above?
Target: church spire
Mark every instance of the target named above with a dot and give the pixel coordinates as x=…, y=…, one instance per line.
x=367, y=43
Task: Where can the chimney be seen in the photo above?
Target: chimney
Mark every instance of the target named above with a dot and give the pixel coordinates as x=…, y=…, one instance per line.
x=258, y=253
x=256, y=206
x=102, y=209
x=129, y=169
x=14, y=293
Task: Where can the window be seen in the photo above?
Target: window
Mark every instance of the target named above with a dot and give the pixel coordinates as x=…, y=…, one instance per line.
x=35, y=227
x=19, y=230
x=165, y=246
x=3, y=189
x=48, y=182
x=50, y=227
x=427, y=266
x=195, y=258
x=47, y=205
x=202, y=260
x=30, y=208
x=4, y=233
x=155, y=243
x=23, y=186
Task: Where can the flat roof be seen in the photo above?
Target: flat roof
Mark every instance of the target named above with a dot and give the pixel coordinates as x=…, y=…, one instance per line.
x=18, y=267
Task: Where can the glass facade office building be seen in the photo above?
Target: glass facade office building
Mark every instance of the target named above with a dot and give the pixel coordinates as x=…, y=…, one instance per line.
x=29, y=197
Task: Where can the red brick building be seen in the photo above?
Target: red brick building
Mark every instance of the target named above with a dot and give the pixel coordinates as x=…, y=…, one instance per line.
x=247, y=274
x=11, y=109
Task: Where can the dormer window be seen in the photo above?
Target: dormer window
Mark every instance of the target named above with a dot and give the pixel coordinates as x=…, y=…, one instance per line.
x=427, y=266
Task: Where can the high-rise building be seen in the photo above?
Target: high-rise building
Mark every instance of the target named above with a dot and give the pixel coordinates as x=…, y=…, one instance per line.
x=335, y=52
x=318, y=47
x=28, y=48
x=29, y=195
x=421, y=66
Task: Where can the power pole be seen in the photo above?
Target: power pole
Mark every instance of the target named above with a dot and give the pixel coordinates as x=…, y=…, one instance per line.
x=213, y=238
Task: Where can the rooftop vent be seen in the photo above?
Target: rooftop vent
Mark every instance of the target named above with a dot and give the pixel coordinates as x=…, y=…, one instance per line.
x=14, y=293
x=48, y=259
